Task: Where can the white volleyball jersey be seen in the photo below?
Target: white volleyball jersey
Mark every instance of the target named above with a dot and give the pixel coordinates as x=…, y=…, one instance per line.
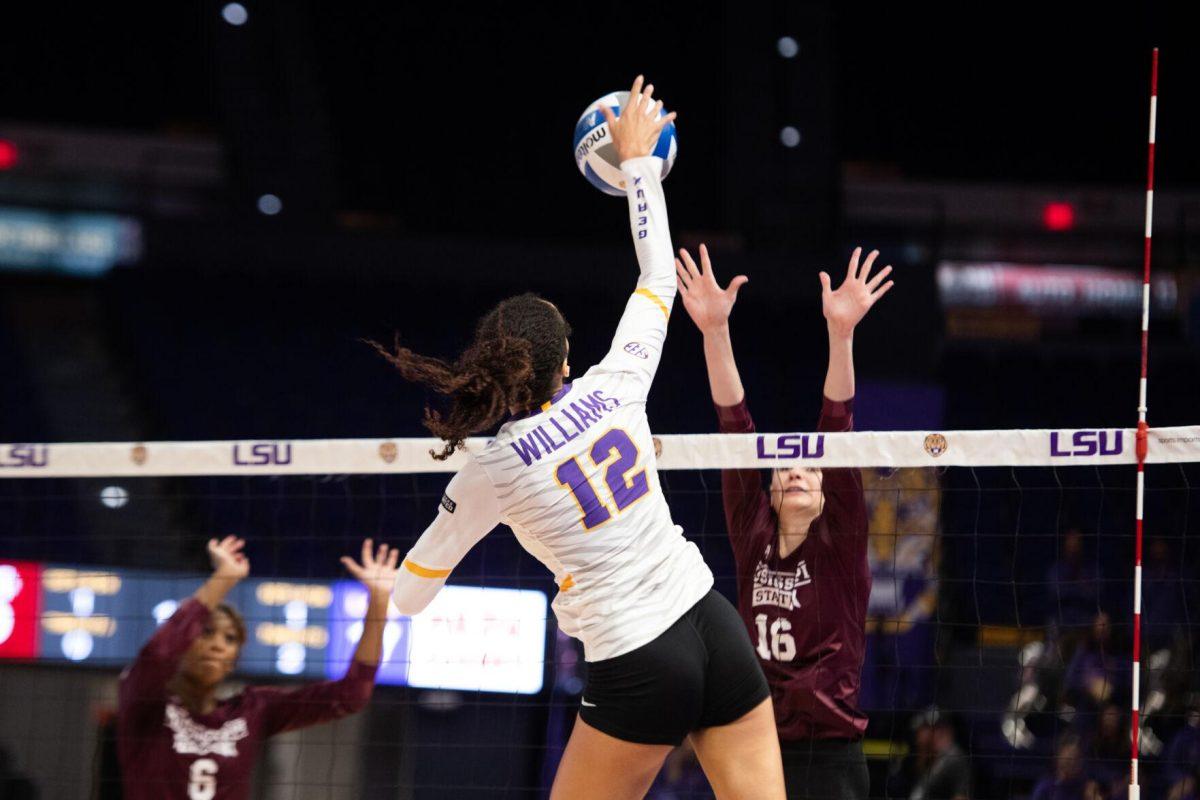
x=577, y=479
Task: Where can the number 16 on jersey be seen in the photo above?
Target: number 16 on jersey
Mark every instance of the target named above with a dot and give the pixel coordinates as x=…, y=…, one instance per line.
x=616, y=448
x=774, y=640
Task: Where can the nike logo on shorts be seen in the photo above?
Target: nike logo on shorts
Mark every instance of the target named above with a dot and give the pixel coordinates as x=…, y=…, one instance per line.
x=583, y=702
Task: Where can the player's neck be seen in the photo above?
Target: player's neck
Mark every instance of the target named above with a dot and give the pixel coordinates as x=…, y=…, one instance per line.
x=793, y=530
x=558, y=384
x=790, y=542
x=196, y=698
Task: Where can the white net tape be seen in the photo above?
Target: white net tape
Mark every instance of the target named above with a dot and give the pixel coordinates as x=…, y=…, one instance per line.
x=980, y=448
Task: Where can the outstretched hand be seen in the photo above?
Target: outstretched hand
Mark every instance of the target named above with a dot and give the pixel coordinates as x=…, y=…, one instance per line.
x=227, y=558
x=845, y=306
x=377, y=571
x=706, y=302
x=637, y=129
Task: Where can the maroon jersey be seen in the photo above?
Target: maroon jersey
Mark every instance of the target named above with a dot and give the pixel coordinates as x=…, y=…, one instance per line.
x=805, y=612
x=168, y=753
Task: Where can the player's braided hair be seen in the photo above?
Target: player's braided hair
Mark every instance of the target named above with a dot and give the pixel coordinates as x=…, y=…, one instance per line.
x=513, y=362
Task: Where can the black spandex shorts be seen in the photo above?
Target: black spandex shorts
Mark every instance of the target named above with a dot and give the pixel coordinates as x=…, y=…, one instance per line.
x=700, y=672
x=825, y=769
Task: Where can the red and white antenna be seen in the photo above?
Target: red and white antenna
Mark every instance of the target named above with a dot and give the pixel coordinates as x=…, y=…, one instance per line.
x=1142, y=443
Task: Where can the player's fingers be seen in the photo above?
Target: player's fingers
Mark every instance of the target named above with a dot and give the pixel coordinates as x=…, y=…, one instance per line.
x=657, y=109
x=878, y=279
x=882, y=291
x=635, y=92
x=609, y=116
x=394, y=558
x=681, y=276
x=852, y=267
x=662, y=121
x=865, y=272
x=351, y=566
x=648, y=94
x=826, y=284
x=366, y=551
x=735, y=285
x=693, y=272
x=706, y=267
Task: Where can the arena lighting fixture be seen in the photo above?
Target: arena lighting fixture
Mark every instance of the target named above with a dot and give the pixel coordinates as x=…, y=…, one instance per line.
x=9, y=155
x=270, y=204
x=235, y=14
x=787, y=47
x=1058, y=216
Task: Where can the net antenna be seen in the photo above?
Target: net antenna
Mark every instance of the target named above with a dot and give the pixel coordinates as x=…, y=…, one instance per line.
x=1142, y=442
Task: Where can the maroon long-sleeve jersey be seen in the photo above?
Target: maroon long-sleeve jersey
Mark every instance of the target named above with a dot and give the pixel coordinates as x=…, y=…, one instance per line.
x=805, y=612
x=168, y=753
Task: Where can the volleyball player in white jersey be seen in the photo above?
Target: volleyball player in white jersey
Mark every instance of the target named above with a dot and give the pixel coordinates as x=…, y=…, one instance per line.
x=573, y=474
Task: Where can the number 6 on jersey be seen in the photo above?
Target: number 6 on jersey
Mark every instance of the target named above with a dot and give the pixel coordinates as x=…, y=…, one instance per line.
x=625, y=489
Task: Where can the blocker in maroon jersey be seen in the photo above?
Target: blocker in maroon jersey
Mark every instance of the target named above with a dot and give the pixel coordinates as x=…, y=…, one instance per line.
x=170, y=752
x=801, y=549
x=176, y=741
x=805, y=610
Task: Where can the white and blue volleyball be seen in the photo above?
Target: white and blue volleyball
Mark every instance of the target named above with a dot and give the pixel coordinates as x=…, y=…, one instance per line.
x=594, y=152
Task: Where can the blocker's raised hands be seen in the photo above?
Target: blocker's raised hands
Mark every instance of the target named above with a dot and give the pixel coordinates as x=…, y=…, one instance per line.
x=377, y=571
x=227, y=557
x=845, y=306
x=706, y=302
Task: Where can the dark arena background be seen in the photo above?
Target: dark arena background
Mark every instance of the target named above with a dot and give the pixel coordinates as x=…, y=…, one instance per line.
x=207, y=207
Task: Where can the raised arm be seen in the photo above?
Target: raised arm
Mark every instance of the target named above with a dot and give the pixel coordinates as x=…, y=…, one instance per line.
x=844, y=308
x=747, y=506
x=637, y=345
x=326, y=701
x=469, y=510
x=709, y=306
x=378, y=573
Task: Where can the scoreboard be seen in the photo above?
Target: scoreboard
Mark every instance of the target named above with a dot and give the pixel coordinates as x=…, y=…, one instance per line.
x=471, y=638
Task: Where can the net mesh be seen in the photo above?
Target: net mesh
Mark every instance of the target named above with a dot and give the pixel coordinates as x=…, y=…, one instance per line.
x=1000, y=617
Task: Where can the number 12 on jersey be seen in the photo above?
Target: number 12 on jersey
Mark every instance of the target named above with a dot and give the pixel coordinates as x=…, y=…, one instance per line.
x=616, y=447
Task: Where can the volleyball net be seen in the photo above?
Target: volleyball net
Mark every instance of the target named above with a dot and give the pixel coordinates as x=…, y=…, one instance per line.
x=1002, y=565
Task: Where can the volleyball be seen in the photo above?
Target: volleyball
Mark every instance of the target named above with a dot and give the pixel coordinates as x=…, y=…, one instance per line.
x=595, y=154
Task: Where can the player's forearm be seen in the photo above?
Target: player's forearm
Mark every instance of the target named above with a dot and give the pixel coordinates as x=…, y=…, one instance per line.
x=649, y=226
x=413, y=592
x=723, y=377
x=213, y=591
x=370, y=645
x=839, y=378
